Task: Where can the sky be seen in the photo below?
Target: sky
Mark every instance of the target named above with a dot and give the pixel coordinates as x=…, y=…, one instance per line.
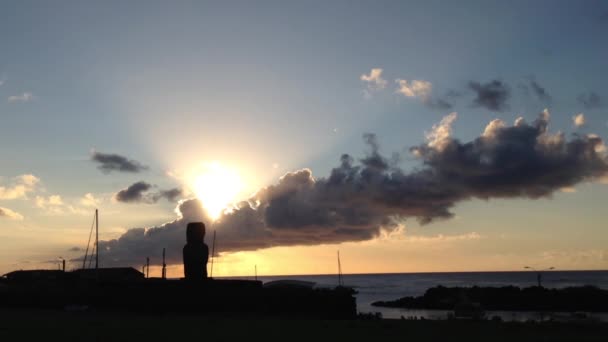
x=412, y=136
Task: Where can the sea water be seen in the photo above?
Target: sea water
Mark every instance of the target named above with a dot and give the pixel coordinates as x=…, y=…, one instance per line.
x=384, y=287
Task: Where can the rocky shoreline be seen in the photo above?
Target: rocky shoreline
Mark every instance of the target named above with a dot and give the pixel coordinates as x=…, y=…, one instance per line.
x=535, y=298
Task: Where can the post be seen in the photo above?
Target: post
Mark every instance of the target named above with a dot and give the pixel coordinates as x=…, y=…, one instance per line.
x=256, y=272
x=539, y=275
x=339, y=271
x=63, y=264
x=147, y=267
x=164, y=273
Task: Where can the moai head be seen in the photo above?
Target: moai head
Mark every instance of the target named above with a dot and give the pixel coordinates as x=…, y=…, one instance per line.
x=195, y=232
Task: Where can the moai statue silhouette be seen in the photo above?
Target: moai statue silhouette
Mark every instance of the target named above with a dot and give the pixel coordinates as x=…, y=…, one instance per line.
x=196, y=252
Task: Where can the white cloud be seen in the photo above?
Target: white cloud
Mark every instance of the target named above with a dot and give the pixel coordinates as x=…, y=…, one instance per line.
x=54, y=205
x=21, y=186
x=51, y=201
x=545, y=115
x=25, y=97
x=374, y=81
x=579, y=120
x=88, y=200
x=28, y=179
x=519, y=122
x=11, y=215
x=416, y=88
x=442, y=238
x=573, y=257
x=494, y=126
x=440, y=134
x=400, y=233
x=600, y=147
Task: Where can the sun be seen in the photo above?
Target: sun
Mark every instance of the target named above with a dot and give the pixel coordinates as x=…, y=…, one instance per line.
x=216, y=186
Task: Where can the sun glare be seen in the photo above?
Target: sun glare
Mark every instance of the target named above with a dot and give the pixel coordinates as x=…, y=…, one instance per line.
x=216, y=187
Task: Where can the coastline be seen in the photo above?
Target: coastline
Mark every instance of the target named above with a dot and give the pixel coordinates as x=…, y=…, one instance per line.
x=391, y=286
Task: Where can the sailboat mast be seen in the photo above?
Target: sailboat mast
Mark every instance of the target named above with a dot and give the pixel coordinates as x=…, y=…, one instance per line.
x=96, y=239
x=212, y=254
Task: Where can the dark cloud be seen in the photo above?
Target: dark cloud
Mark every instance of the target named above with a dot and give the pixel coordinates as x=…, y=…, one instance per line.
x=438, y=103
x=540, y=92
x=452, y=94
x=75, y=249
x=114, y=162
x=445, y=102
x=590, y=100
x=171, y=195
x=134, y=193
x=360, y=198
x=140, y=193
x=492, y=95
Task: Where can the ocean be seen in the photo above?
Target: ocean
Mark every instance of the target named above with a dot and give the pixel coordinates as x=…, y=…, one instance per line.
x=375, y=287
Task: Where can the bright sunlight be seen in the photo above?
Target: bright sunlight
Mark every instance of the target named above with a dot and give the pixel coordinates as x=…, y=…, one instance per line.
x=216, y=187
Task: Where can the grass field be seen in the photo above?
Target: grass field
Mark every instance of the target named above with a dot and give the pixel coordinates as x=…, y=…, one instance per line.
x=44, y=325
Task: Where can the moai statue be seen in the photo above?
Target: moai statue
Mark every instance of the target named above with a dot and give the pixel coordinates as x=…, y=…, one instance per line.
x=196, y=252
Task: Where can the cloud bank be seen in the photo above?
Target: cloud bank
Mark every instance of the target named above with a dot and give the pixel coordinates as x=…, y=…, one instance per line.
x=362, y=198
x=114, y=162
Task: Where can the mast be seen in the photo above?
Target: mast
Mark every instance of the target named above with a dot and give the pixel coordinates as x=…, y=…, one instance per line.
x=212, y=254
x=96, y=239
x=86, y=253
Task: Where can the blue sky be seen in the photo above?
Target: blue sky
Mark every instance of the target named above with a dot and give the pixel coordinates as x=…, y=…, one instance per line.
x=272, y=87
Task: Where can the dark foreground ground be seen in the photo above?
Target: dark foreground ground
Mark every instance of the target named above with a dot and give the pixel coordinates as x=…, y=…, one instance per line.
x=43, y=325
